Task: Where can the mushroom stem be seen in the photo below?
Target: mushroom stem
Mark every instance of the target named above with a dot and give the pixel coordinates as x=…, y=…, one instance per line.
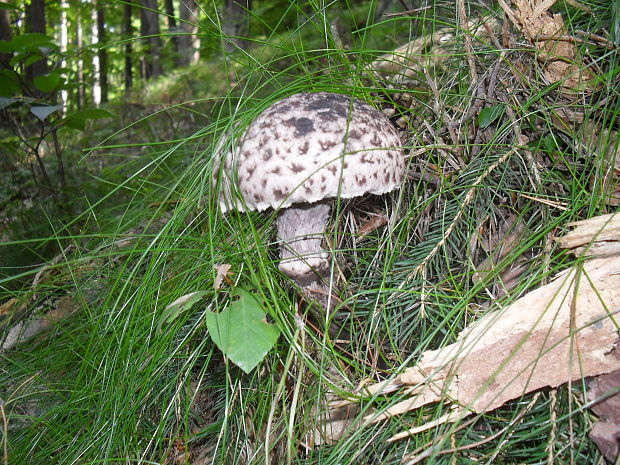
x=300, y=232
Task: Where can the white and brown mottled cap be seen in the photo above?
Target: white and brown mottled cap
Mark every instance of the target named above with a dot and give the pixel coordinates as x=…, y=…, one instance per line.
x=312, y=146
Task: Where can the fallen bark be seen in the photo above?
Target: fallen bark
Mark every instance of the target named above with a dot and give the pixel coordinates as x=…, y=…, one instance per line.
x=564, y=331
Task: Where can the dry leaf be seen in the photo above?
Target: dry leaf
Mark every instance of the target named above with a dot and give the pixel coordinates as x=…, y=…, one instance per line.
x=221, y=274
x=375, y=222
x=546, y=32
x=26, y=329
x=11, y=310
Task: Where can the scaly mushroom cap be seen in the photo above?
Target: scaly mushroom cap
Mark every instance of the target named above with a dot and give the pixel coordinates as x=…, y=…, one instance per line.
x=312, y=146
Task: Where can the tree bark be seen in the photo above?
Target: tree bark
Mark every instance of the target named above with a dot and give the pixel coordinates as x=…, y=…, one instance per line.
x=94, y=41
x=172, y=28
x=79, y=44
x=149, y=28
x=102, y=52
x=64, y=41
x=35, y=17
x=127, y=35
x=189, y=42
x=5, y=34
x=235, y=24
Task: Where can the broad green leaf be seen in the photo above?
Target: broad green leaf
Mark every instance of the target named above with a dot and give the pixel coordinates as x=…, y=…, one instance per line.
x=31, y=41
x=9, y=83
x=17, y=57
x=7, y=6
x=47, y=83
x=78, y=119
x=490, y=114
x=5, y=46
x=30, y=59
x=43, y=112
x=182, y=304
x=241, y=331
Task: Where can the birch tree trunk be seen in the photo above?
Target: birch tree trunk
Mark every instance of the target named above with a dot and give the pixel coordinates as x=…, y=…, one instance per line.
x=94, y=41
x=189, y=42
x=79, y=45
x=64, y=40
x=102, y=52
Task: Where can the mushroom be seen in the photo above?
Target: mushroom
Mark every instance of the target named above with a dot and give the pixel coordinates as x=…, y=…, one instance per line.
x=298, y=154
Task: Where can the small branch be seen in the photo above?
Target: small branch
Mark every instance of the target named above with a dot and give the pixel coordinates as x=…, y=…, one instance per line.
x=405, y=13
x=61, y=168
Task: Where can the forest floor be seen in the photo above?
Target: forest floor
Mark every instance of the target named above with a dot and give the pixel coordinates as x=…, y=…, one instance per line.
x=510, y=137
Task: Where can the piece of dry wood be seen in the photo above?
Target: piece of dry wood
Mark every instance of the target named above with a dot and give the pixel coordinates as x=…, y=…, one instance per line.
x=563, y=331
x=606, y=432
x=595, y=236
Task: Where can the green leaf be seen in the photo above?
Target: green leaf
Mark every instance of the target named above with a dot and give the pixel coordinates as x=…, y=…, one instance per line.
x=241, y=331
x=5, y=102
x=29, y=60
x=182, y=304
x=490, y=114
x=549, y=143
x=47, y=83
x=78, y=119
x=31, y=42
x=43, y=112
x=9, y=83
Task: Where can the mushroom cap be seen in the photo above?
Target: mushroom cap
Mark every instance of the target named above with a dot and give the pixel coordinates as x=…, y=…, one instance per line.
x=308, y=147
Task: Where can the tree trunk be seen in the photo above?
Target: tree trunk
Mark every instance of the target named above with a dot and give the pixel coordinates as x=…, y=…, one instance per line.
x=149, y=28
x=64, y=40
x=79, y=44
x=189, y=42
x=172, y=28
x=5, y=34
x=235, y=24
x=94, y=41
x=35, y=17
x=102, y=52
x=127, y=35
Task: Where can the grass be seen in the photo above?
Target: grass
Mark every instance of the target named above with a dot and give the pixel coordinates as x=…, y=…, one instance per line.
x=104, y=386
